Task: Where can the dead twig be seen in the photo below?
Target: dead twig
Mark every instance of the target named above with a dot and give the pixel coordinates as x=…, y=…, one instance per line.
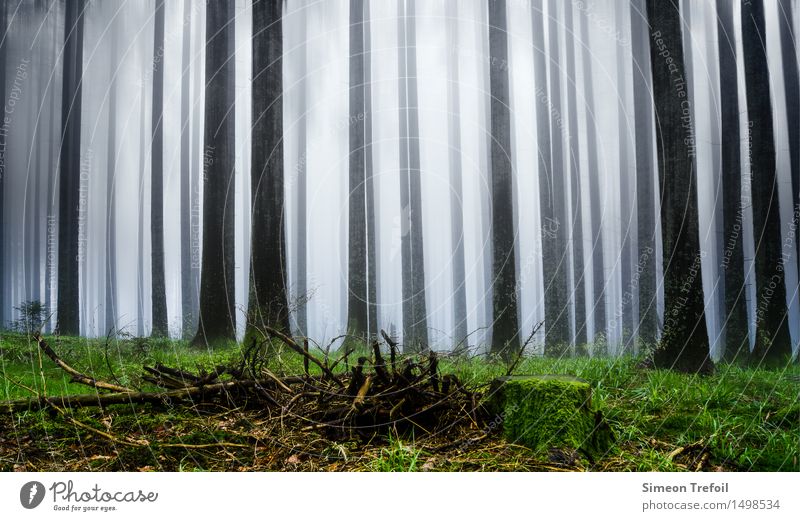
x=76, y=375
x=295, y=347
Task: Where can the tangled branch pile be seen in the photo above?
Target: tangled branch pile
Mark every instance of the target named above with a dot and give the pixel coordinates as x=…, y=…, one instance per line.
x=371, y=396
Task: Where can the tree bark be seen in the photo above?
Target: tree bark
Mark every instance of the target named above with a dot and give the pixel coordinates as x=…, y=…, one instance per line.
x=70, y=253
x=268, y=297
x=3, y=150
x=791, y=78
x=217, y=301
x=645, y=177
x=735, y=310
x=772, y=331
x=684, y=344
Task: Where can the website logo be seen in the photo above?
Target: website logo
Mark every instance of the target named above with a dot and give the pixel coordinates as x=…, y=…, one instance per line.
x=31, y=494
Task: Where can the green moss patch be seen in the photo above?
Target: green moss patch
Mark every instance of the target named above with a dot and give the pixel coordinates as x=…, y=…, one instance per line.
x=548, y=411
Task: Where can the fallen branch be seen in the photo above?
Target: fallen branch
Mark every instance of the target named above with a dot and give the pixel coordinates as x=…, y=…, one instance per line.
x=687, y=448
x=77, y=376
x=102, y=400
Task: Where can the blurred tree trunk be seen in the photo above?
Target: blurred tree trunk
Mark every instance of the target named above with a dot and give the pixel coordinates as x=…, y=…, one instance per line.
x=415, y=315
x=188, y=288
x=578, y=268
x=361, y=309
x=551, y=181
x=140, y=329
x=505, y=333
x=158, y=284
x=628, y=293
x=111, y=178
x=454, y=164
x=596, y=210
x=301, y=284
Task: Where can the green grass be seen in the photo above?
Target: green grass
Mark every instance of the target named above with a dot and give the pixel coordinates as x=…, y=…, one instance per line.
x=399, y=456
x=746, y=418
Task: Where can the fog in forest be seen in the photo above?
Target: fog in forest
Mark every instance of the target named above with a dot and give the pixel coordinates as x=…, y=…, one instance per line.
x=582, y=145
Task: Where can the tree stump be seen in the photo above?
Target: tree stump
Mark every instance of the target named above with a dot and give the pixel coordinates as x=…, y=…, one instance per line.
x=547, y=411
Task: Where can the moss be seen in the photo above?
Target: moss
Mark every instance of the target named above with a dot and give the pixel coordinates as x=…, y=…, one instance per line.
x=547, y=411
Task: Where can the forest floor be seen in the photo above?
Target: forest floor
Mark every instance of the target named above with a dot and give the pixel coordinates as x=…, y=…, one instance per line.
x=739, y=419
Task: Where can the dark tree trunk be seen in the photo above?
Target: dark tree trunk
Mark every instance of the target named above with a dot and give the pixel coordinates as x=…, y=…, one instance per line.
x=772, y=331
x=159, y=291
x=505, y=333
x=598, y=263
x=361, y=309
x=684, y=344
x=625, y=200
x=188, y=287
x=268, y=297
x=415, y=315
x=791, y=79
x=217, y=301
x=645, y=177
x=581, y=337
x=551, y=182
x=735, y=310
x=3, y=150
x=111, y=167
x=70, y=253
x=456, y=201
